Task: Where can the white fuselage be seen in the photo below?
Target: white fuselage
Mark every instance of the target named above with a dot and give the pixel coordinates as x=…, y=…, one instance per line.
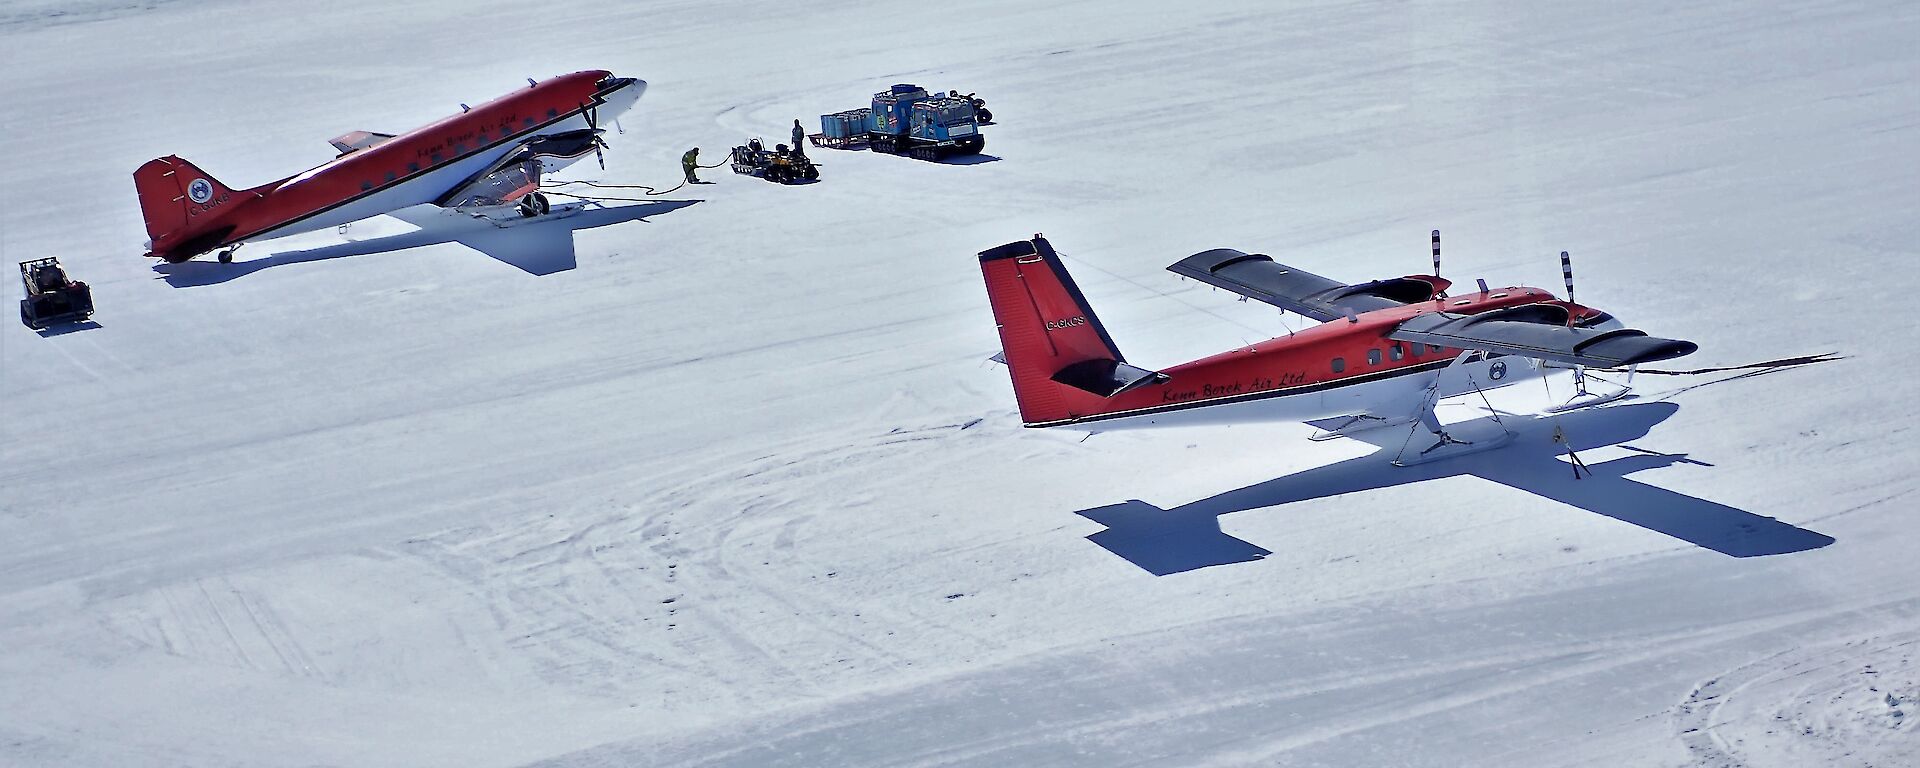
x=1390, y=397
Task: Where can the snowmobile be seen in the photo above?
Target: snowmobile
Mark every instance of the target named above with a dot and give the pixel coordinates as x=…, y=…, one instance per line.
x=779, y=166
x=981, y=114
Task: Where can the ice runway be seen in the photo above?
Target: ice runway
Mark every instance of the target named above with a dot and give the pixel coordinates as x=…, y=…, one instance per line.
x=737, y=488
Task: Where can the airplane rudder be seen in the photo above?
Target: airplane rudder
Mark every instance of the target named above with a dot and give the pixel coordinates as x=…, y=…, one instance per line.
x=1076, y=321
x=172, y=193
x=1038, y=304
x=1045, y=324
x=161, y=198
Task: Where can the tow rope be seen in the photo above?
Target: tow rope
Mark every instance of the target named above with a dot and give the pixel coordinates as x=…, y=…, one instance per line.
x=1785, y=362
x=645, y=189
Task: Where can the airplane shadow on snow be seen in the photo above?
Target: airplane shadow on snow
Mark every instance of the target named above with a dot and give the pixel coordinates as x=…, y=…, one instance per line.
x=540, y=247
x=1188, y=537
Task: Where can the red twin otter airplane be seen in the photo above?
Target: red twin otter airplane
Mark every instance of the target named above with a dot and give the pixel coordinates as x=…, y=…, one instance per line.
x=1385, y=352
x=487, y=159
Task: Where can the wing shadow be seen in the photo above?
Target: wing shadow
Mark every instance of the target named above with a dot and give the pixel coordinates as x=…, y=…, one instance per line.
x=1188, y=537
x=539, y=248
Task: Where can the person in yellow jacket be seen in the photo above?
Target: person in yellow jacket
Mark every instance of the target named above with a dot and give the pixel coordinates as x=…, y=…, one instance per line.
x=689, y=163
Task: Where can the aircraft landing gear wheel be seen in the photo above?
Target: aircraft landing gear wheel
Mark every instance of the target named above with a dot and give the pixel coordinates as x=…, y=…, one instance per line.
x=532, y=204
x=226, y=256
x=540, y=203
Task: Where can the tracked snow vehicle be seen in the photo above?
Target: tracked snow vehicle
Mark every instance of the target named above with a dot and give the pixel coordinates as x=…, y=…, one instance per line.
x=906, y=120
x=52, y=297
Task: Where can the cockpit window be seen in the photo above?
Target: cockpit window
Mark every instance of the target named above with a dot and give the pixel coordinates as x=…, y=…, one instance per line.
x=956, y=114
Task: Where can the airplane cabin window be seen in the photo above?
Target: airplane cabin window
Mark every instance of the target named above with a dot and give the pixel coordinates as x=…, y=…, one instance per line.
x=1434, y=348
x=366, y=185
x=413, y=167
x=553, y=112
x=436, y=158
x=1373, y=357
x=1339, y=364
x=1396, y=352
x=1418, y=349
x=389, y=177
x=528, y=123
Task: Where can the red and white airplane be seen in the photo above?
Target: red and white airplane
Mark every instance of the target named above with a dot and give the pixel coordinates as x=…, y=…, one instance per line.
x=1384, y=352
x=487, y=158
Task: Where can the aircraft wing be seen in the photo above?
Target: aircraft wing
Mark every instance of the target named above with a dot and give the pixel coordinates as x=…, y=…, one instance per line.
x=1540, y=331
x=518, y=173
x=1257, y=276
x=358, y=140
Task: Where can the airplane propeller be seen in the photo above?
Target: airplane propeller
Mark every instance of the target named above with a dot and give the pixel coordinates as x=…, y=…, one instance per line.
x=599, y=144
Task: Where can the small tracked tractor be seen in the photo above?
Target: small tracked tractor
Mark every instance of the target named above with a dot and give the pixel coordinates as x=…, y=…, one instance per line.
x=51, y=296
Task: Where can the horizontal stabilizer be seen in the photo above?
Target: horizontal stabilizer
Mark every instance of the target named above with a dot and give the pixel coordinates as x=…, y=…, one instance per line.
x=358, y=140
x=1521, y=331
x=1106, y=378
x=1259, y=277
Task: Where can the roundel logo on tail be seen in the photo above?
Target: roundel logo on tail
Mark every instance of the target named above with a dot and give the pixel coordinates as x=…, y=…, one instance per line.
x=200, y=191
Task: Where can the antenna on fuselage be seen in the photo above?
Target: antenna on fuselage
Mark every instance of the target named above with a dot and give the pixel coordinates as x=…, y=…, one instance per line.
x=531, y=83
x=465, y=109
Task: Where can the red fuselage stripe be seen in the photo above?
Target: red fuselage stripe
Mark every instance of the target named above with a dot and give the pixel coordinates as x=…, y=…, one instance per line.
x=359, y=174
x=1300, y=363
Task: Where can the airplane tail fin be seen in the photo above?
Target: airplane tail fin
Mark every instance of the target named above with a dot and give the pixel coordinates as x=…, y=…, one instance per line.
x=178, y=201
x=1062, y=361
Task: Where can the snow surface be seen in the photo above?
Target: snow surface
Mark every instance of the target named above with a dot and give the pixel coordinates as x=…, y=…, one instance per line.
x=738, y=489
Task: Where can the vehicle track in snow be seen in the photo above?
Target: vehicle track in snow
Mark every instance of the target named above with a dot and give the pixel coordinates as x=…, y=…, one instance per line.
x=1846, y=703
x=709, y=570
x=217, y=621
